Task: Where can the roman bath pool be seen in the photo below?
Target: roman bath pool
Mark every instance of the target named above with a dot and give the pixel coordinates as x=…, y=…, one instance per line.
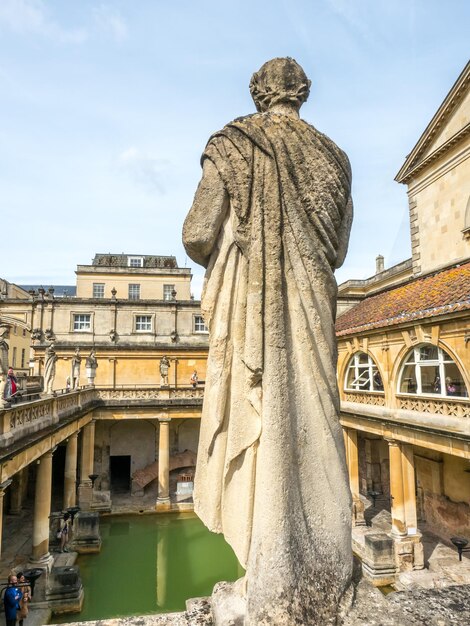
x=151, y=564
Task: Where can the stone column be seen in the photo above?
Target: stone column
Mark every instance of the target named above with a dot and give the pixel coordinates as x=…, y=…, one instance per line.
x=17, y=491
x=409, y=488
x=42, y=510
x=396, y=489
x=70, y=473
x=163, y=499
x=3, y=486
x=352, y=456
x=85, y=490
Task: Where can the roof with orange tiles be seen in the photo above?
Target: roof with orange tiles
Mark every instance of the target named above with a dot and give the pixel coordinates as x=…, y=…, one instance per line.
x=437, y=294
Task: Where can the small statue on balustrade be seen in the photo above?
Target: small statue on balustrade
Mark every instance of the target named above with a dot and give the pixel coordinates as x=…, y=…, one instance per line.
x=51, y=359
x=76, y=364
x=164, y=367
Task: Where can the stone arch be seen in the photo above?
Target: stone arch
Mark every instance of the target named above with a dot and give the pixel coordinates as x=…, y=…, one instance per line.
x=349, y=362
x=440, y=367
x=13, y=321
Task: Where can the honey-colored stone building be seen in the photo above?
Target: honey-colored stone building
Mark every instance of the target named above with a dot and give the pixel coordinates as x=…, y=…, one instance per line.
x=404, y=354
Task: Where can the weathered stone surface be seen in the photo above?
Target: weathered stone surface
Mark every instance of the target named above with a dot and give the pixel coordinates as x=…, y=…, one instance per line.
x=270, y=221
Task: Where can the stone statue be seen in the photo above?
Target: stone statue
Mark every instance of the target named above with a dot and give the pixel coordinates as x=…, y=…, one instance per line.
x=91, y=365
x=51, y=359
x=76, y=364
x=4, y=347
x=270, y=222
x=164, y=367
x=91, y=361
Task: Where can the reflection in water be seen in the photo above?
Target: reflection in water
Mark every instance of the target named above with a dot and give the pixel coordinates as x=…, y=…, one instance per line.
x=162, y=563
x=151, y=564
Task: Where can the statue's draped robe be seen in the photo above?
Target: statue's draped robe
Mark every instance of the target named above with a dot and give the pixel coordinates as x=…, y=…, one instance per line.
x=271, y=473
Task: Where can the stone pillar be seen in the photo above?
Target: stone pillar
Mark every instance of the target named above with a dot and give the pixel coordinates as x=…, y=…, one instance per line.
x=17, y=491
x=163, y=499
x=409, y=488
x=352, y=456
x=3, y=486
x=42, y=510
x=396, y=489
x=85, y=490
x=70, y=473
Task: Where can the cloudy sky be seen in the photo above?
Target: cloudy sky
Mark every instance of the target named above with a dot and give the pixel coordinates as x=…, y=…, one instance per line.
x=105, y=108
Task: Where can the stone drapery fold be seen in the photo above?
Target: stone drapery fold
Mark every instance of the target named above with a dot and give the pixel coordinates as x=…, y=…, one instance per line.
x=271, y=470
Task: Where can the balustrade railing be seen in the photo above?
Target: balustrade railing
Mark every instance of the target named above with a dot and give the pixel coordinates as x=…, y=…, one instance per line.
x=372, y=398
x=438, y=406
x=19, y=420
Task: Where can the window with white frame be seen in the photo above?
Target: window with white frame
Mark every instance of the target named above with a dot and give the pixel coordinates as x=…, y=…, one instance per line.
x=135, y=261
x=13, y=361
x=199, y=325
x=82, y=321
x=98, y=290
x=143, y=323
x=168, y=292
x=362, y=374
x=134, y=292
x=429, y=370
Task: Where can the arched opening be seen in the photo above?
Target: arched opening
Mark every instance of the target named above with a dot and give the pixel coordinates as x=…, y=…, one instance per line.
x=362, y=374
x=430, y=370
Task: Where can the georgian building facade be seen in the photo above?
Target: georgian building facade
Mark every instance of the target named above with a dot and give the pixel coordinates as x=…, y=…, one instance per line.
x=404, y=351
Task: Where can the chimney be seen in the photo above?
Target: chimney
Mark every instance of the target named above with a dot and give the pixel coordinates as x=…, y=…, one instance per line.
x=379, y=264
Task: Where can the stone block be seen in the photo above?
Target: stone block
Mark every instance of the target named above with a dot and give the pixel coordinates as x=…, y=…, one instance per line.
x=86, y=534
x=378, y=564
x=64, y=590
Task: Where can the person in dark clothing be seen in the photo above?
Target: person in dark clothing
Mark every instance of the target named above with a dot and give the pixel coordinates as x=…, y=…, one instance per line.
x=11, y=600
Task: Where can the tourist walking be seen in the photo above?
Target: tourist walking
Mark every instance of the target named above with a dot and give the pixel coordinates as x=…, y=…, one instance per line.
x=11, y=600
x=23, y=603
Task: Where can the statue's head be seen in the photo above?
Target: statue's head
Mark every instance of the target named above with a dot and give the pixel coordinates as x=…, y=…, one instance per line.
x=280, y=80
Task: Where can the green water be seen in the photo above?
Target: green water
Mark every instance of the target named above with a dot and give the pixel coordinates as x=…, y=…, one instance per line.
x=151, y=564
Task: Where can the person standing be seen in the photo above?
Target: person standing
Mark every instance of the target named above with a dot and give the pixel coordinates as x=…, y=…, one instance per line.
x=194, y=379
x=23, y=603
x=11, y=600
x=64, y=531
x=11, y=388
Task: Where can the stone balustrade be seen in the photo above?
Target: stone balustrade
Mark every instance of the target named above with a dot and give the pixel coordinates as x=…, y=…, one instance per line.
x=438, y=406
x=26, y=418
x=23, y=419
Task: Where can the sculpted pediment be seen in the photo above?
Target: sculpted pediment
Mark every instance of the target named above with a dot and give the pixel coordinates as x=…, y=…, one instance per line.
x=450, y=125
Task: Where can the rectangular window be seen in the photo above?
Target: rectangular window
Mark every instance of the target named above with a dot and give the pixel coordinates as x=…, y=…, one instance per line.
x=199, y=326
x=23, y=355
x=143, y=323
x=134, y=292
x=14, y=358
x=135, y=261
x=81, y=321
x=24, y=332
x=15, y=329
x=98, y=290
x=168, y=292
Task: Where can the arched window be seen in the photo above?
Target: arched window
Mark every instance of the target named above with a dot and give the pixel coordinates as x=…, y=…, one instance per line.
x=429, y=370
x=362, y=374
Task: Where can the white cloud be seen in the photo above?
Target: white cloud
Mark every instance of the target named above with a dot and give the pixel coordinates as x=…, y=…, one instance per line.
x=30, y=16
x=146, y=170
x=111, y=22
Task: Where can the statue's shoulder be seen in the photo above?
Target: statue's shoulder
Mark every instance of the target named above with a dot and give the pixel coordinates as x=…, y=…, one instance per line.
x=330, y=145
